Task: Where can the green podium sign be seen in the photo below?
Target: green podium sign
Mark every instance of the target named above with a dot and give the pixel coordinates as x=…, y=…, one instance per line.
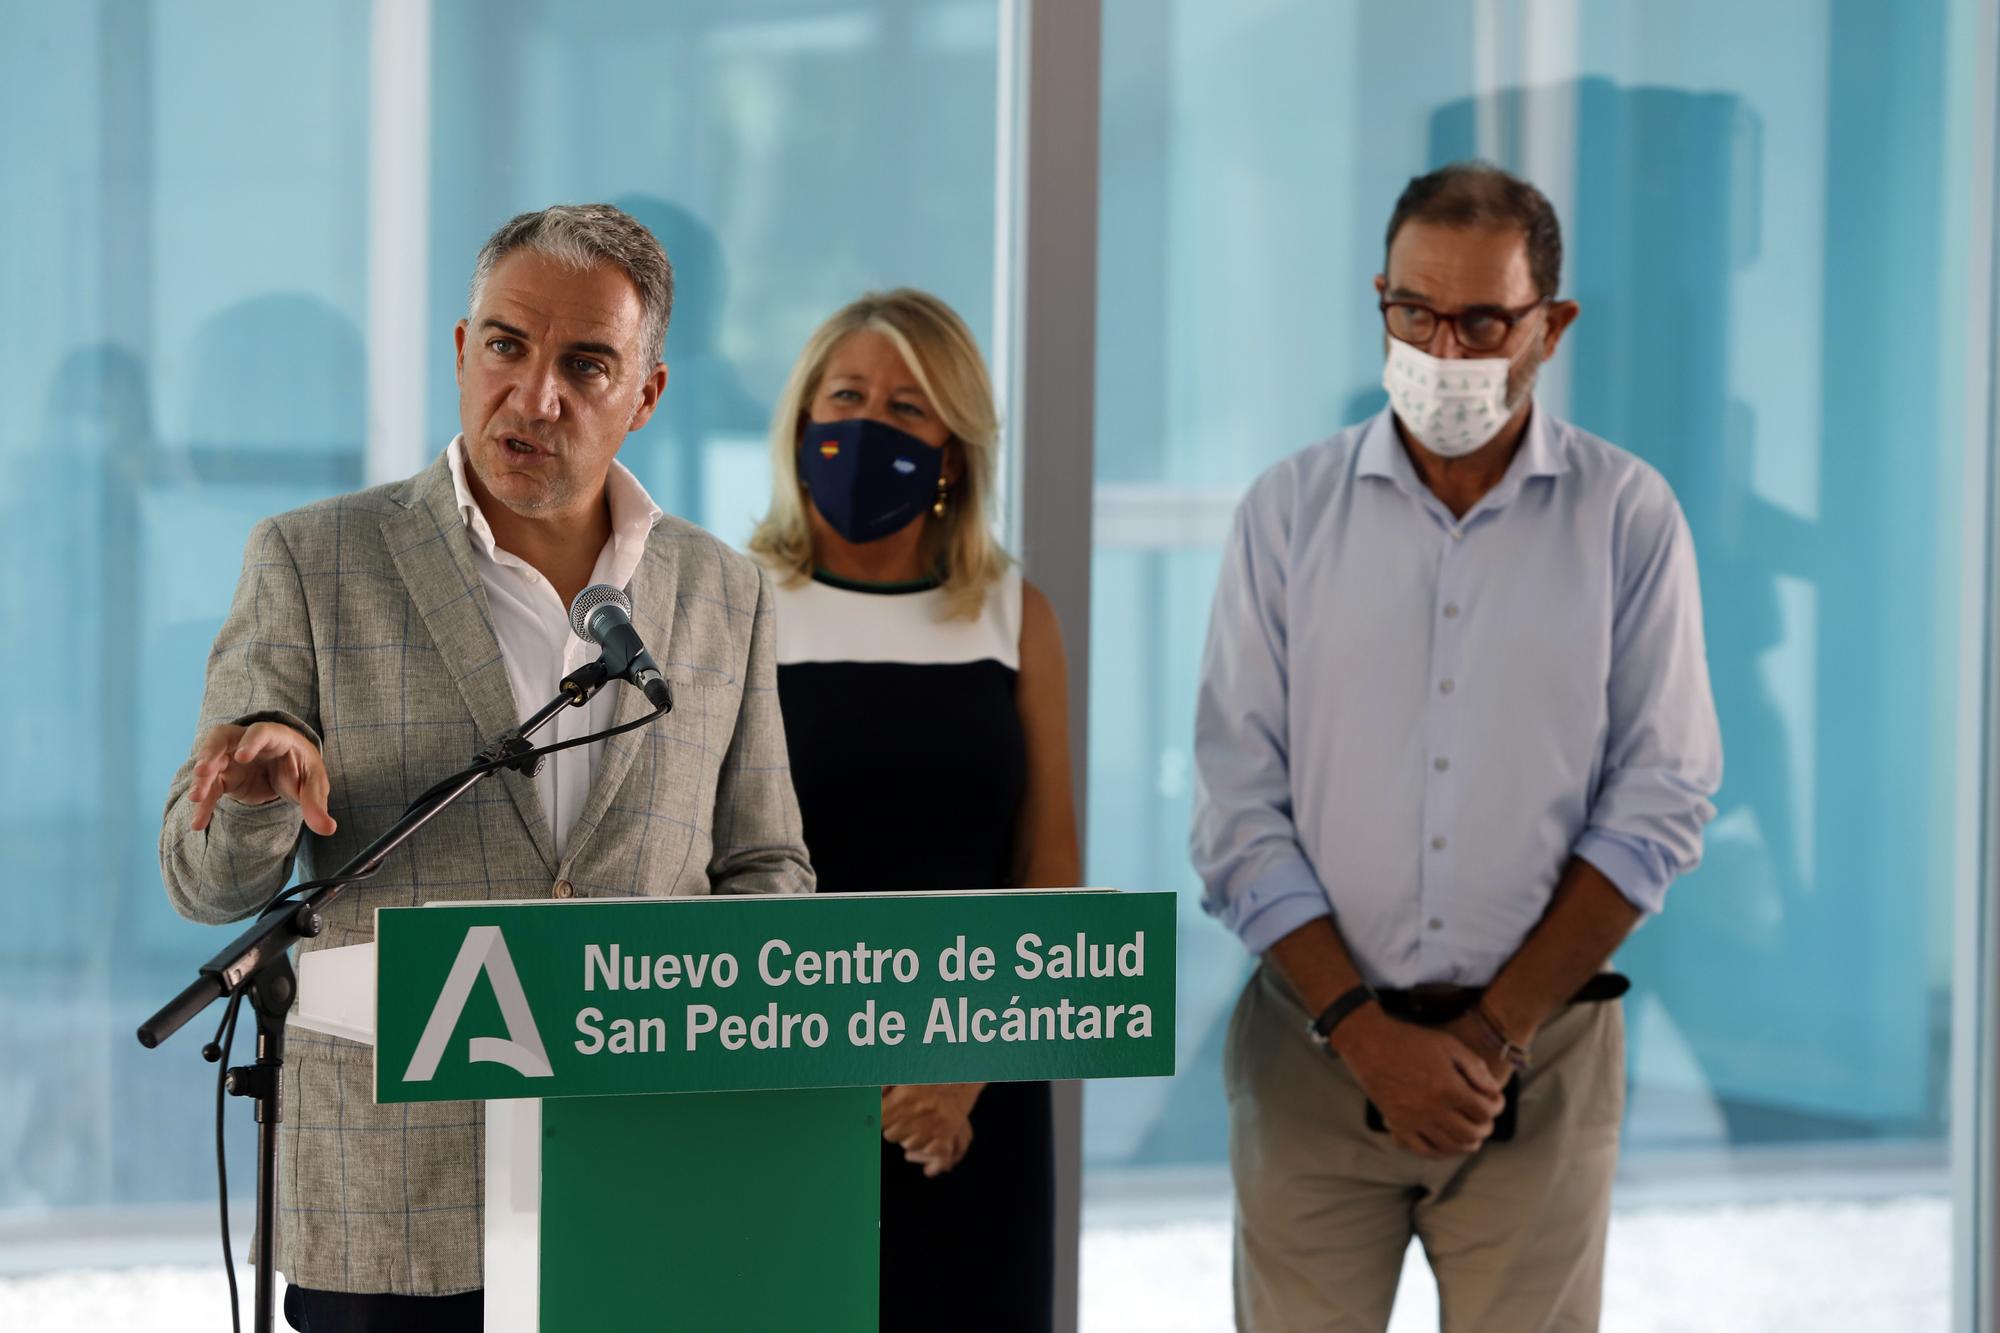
x=753, y=1204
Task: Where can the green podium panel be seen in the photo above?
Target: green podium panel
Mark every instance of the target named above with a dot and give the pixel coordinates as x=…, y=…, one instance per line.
x=706, y=1154
x=780, y=1237
x=639, y=995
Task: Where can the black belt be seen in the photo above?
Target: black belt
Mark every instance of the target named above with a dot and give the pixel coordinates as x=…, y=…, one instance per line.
x=1431, y=1005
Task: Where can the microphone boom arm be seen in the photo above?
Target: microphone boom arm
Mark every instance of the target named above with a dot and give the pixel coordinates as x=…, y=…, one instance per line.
x=259, y=961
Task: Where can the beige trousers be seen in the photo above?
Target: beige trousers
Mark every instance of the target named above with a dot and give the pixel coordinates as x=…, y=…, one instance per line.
x=1325, y=1207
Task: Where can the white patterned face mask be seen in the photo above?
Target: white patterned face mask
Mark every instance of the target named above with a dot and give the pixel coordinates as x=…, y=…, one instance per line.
x=1452, y=407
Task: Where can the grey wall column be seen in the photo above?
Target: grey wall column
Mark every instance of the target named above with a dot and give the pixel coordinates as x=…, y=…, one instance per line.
x=400, y=337
x=1045, y=349
x=1975, y=1130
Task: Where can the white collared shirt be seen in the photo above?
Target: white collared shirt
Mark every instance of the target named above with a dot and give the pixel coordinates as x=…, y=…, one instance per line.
x=536, y=643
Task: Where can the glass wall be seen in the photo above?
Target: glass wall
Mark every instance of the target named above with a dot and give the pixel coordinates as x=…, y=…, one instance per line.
x=187, y=258
x=182, y=346
x=1765, y=212
x=789, y=156
x=1763, y=207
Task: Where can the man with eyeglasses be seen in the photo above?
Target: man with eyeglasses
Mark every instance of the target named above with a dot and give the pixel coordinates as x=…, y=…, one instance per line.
x=1454, y=740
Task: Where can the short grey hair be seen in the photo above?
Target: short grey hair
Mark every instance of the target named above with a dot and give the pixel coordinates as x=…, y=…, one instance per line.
x=582, y=236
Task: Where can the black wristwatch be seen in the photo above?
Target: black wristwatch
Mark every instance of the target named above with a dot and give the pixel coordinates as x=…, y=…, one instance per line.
x=1336, y=1013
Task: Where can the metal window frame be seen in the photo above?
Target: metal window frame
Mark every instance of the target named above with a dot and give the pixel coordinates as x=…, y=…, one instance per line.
x=1975, y=1039
x=399, y=237
x=1045, y=352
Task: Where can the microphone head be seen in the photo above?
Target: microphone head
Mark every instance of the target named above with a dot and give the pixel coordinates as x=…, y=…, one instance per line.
x=587, y=603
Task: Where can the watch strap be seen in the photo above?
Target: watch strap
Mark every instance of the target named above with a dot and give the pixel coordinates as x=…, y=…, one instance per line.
x=1334, y=1014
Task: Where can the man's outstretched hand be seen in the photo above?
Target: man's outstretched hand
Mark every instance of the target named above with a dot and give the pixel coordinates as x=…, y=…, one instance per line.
x=258, y=764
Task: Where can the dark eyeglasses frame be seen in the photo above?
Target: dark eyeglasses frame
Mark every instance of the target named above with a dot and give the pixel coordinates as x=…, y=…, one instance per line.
x=1509, y=318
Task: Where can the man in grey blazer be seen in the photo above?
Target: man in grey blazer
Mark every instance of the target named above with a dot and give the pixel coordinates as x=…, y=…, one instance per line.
x=378, y=639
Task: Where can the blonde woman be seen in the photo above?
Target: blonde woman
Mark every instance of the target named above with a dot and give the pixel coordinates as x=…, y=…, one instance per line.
x=924, y=694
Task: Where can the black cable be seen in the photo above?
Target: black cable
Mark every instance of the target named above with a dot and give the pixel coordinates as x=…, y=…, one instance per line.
x=225, y=1038
x=507, y=761
x=440, y=789
x=313, y=886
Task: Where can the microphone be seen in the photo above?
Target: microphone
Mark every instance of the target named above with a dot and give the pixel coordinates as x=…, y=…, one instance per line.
x=602, y=615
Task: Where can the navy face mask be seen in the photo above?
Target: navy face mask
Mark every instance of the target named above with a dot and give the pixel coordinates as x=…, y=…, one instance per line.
x=867, y=478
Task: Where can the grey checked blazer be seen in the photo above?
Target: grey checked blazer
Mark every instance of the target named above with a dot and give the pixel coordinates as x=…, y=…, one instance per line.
x=360, y=621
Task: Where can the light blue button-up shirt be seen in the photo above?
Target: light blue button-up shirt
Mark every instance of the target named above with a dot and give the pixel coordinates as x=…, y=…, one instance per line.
x=1411, y=722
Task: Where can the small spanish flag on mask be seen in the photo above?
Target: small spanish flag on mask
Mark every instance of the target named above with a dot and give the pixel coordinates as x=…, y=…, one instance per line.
x=829, y=449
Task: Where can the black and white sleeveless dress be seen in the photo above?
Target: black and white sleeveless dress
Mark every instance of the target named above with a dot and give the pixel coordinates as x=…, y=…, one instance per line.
x=909, y=761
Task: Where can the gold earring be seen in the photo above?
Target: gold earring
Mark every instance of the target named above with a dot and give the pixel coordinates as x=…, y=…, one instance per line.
x=943, y=499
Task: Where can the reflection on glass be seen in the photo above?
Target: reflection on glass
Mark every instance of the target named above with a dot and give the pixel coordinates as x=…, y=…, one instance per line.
x=789, y=159
x=188, y=302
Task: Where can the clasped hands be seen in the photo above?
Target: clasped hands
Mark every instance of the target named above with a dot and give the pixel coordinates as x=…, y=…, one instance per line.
x=1437, y=1089
x=930, y=1122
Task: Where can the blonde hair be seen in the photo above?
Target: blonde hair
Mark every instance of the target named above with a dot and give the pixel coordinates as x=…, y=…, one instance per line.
x=960, y=547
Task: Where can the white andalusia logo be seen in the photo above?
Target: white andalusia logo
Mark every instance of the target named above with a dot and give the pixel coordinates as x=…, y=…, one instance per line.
x=484, y=950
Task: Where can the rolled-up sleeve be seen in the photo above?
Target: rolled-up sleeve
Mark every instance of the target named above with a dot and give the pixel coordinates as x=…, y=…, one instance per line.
x=1662, y=749
x=1256, y=876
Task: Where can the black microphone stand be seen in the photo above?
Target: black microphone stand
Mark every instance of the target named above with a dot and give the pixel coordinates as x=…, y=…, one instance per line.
x=259, y=960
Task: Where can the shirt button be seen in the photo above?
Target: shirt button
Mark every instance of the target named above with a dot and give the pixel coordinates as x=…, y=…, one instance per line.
x=1436, y=923
x=1457, y=533
x=1446, y=686
x=1437, y=843
x=564, y=889
x=1441, y=764
x=1451, y=611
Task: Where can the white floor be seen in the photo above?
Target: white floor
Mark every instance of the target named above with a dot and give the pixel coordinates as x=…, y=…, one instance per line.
x=1881, y=1266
